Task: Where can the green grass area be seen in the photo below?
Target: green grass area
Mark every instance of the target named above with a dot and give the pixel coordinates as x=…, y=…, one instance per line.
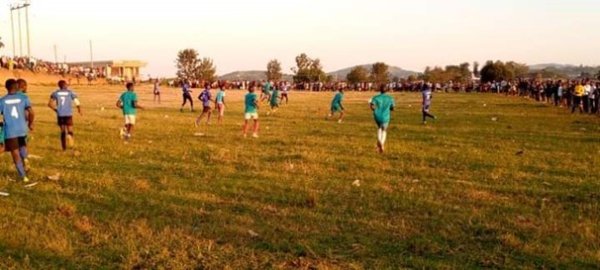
x=452, y=194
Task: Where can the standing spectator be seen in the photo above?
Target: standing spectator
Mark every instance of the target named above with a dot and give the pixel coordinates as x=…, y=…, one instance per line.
x=577, y=96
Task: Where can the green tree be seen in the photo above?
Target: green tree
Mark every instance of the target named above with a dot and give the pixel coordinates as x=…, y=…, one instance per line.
x=598, y=75
x=308, y=70
x=187, y=64
x=274, y=70
x=476, y=69
x=358, y=74
x=380, y=73
x=207, y=70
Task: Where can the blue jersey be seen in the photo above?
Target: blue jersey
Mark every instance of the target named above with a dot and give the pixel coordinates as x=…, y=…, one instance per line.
x=427, y=97
x=64, y=102
x=186, y=88
x=12, y=107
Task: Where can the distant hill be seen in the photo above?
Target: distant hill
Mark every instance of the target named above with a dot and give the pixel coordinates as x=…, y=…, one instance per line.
x=571, y=71
x=394, y=72
x=550, y=65
x=251, y=75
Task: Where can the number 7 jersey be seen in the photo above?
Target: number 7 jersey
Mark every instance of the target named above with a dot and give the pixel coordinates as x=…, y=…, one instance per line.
x=64, y=102
x=13, y=107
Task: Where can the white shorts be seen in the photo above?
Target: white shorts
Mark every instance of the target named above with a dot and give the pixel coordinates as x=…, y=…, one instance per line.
x=130, y=119
x=249, y=116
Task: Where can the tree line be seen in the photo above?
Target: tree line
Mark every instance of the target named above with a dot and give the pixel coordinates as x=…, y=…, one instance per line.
x=310, y=70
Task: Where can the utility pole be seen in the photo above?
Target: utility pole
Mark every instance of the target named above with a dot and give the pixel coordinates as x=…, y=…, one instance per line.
x=12, y=26
x=55, y=55
x=20, y=33
x=18, y=8
x=91, y=55
x=26, y=5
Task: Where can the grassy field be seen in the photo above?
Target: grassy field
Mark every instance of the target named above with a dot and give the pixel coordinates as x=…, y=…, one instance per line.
x=452, y=194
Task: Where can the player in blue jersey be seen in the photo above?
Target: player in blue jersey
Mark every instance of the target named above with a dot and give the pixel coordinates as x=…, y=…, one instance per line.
x=207, y=99
x=382, y=105
x=427, y=96
x=22, y=86
x=18, y=121
x=62, y=102
x=186, y=89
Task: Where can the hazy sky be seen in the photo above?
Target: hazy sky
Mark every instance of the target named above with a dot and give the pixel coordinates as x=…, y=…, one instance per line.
x=245, y=34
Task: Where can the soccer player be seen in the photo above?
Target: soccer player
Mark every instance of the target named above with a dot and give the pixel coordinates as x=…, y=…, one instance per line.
x=382, y=105
x=220, y=103
x=336, y=105
x=251, y=112
x=274, y=102
x=128, y=102
x=156, y=91
x=62, y=102
x=266, y=91
x=284, y=92
x=427, y=96
x=187, y=95
x=206, y=98
x=18, y=120
x=22, y=88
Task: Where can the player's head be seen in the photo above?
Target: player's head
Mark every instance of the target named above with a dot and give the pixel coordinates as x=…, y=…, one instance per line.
x=252, y=87
x=129, y=86
x=11, y=85
x=207, y=85
x=22, y=85
x=383, y=88
x=62, y=84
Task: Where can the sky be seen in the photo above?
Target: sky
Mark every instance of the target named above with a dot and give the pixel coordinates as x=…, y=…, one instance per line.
x=246, y=34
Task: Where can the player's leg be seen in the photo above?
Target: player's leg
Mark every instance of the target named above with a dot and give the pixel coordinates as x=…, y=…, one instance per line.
x=341, y=119
x=23, y=153
x=245, y=128
x=12, y=146
x=221, y=112
x=183, y=103
x=70, y=135
x=208, y=115
x=256, y=126
x=379, y=138
x=63, y=137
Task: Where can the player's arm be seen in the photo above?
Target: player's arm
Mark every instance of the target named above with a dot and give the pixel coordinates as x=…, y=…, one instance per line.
x=78, y=105
x=136, y=105
x=256, y=103
x=372, y=106
x=119, y=104
x=30, y=117
x=52, y=104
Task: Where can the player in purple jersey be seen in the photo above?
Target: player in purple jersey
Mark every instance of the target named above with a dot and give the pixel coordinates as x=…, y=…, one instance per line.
x=427, y=97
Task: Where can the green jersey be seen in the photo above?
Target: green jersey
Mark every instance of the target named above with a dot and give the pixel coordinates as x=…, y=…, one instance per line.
x=336, y=104
x=383, y=104
x=275, y=98
x=250, y=102
x=267, y=87
x=128, y=99
x=220, y=97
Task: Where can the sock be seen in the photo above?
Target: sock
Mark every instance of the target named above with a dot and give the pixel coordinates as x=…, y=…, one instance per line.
x=20, y=168
x=63, y=140
x=383, y=137
x=23, y=152
x=379, y=135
